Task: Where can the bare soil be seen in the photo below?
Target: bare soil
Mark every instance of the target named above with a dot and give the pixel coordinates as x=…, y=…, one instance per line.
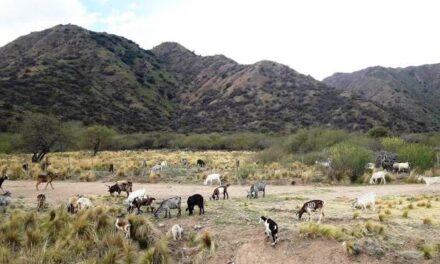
x=234, y=224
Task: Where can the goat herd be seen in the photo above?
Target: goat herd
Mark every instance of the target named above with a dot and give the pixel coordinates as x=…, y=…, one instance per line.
x=139, y=198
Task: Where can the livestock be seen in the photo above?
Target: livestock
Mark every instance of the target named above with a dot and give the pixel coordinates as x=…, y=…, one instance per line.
x=184, y=162
x=237, y=163
x=41, y=201
x=163, y=165
x=378, y=175
x=2, y=179
x=156, y=168
x=200, y=163
x=114, y=189
x=220, y=190
x=325, y=164
x=312, y=206
x=194, y=200
x=48, y=178
x=212, y=177
x=370, y=166
x=111, y=168
x=176, y=231
x=429, y=180
x=125, y=186
x=123, y=225
x=141, y=201
x=135, y=194
x=167, y=205
x=403, y=166
x=271, y=229
x=71, y=208
x=364, y=200
x=83, y=203
x=255, y=188
x=5, y=198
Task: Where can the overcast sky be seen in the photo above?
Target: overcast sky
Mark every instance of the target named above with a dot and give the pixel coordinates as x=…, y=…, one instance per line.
x=316, y=37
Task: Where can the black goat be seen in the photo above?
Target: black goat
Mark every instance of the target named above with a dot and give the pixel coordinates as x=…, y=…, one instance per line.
x=271, y=229
x=194, y=200
x=200, y=163
x=2, y=179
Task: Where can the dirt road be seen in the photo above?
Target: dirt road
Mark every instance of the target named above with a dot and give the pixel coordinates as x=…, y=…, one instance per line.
x=63, y=190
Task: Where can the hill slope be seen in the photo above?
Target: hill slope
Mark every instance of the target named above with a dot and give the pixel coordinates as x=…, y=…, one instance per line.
x=98, y=78
x=412, y=94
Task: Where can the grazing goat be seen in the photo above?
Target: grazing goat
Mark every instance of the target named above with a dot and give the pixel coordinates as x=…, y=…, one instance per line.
x=255, y=188
x=429, y=180
x=135, y=194
x=212, y=177
x=271, y=229
x=141, y=201
x=167, y=205
x=123, y=186
x=41, y=202
x=156, y=168
x=378, y=175
x=194, y=200
x=200, y=163
x=364, y=200
x=312, y=206
x=399, y=167
x=2, y=179
x=220, y=190
x=5, y=198
x=184, y=162
x=83, y=203
x=325, y=164
x=177, y=231
x=123, y=225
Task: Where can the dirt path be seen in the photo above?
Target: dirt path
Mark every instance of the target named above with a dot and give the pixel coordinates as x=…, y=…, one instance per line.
x=63, y=190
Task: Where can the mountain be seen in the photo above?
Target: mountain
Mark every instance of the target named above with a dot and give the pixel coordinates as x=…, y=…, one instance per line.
x=82, y=75
x=411, y=94
x=99, y=78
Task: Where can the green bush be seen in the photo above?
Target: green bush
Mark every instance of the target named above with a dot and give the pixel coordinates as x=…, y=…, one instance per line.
x=419, y=156
x=315, y=139
x=378, y=132
x=350, y=159
x=392, y=144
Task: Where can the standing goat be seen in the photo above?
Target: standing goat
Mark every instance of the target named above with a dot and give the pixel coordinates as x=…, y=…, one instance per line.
x=364, y=200
x=47, y=179
x=271, y=229
x=167, y=205
x=121, y=186
x=212, y=177
x=2, y=179
x=376, y=176
x=399, y=167
x=123, y=225
x=194, y=200
x=312, y=206
x=200, y=163
x=141, y=201
x=41, y=202
x=176, y=231
x=220, y=190
x=255, y=188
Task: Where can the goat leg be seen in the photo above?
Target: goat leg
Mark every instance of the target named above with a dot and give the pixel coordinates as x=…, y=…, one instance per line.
x=51, y=185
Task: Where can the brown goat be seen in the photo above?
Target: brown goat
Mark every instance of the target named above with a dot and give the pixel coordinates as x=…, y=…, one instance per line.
x=221, y=190
x=41, y=202
x=47, y=179
x=125, y=186
x=123, y=225
x=141, y=201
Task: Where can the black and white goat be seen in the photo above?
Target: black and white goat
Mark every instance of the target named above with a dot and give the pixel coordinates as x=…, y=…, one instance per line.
x=194, y=200
x=271, y=229
x=2, y=179
x=312, y=206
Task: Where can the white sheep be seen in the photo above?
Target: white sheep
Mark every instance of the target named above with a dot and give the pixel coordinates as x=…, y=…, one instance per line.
x=212, y=177
x=377, y=176
x=177, y=231
x=364, y=200
x=429, y=180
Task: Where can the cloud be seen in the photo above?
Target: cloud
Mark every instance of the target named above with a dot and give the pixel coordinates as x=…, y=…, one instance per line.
x=21, y=17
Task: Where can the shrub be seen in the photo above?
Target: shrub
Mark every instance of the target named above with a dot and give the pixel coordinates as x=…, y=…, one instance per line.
x=392, y=144
x=378, y=132
x=417, y=155
x=350, y=159
x=314, y=139
x=313, y=230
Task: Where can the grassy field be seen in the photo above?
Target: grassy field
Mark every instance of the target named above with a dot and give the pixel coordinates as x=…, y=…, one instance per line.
x=405, y=228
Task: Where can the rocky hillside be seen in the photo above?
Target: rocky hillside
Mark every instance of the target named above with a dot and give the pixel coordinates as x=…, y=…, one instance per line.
x=98, y=78
x=411, y=94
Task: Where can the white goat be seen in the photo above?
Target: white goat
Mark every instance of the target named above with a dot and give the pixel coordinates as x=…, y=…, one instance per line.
x=364, y=200
x=163, y=165
x=404, y=166
x=429, y=180
x=177, y=231
x=212, y=177
x=136, y=194
x=83, y=203
x=377, y=176
x=325, y=164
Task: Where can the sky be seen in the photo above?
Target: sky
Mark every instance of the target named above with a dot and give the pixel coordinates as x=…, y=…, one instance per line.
x=315, y=37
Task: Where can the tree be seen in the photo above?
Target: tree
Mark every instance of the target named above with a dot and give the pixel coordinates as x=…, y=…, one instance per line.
x=41, y=134
x=98, y=138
